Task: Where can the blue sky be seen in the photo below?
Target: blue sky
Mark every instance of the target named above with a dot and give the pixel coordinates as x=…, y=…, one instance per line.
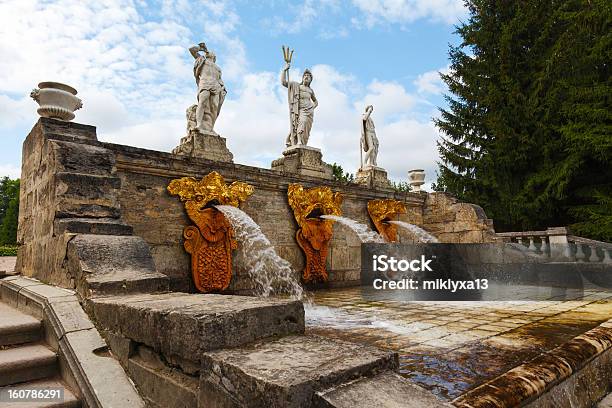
x=129, y=61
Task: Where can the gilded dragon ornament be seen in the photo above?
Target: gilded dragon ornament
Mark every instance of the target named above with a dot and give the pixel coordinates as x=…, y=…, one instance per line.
x=382, y=211
x=314, y=233
x=211, y=240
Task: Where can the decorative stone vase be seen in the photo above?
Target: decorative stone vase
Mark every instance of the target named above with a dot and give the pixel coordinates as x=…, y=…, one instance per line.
x=417, y=179
x=56, y=100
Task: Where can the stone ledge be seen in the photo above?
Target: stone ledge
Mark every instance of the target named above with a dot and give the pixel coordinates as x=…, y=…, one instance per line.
x=387, y=390
x=286, y=372
x=183, y=326
x=112, y=264
x=80, y=347
x=96, y=226
x=542, y=381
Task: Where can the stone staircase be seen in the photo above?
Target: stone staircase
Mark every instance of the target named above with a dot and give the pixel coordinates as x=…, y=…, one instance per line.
x=27, y=361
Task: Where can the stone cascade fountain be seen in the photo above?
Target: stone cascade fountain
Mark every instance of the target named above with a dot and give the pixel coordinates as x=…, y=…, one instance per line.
x=270, y=273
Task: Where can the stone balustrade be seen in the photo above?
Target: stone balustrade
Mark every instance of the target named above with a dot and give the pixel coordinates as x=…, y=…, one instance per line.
x=558, y=243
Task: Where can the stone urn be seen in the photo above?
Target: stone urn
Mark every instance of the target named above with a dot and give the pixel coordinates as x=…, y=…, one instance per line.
x=417, y=179
x=56, y=100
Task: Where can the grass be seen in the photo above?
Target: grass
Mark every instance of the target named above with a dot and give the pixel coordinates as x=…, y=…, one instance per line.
x=8, y=250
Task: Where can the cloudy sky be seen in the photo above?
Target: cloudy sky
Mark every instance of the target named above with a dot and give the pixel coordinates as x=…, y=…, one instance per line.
x=129, y=61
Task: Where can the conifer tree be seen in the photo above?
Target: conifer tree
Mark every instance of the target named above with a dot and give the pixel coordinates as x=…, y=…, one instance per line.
x=527, y=130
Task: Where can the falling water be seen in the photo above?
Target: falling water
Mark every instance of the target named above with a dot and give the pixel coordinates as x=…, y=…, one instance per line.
x=365, y=234
x=271, y=273
x=420, y=233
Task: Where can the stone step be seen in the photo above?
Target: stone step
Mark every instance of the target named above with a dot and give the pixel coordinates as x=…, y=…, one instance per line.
x=26, y=363
x=17, y=327
x=185, y=325
x=69, y=401
x=101, y=226
x=114, y=264
x=386, y=390
x=286, y=372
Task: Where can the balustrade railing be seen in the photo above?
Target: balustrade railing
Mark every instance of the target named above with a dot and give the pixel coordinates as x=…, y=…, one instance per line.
x=557, y=243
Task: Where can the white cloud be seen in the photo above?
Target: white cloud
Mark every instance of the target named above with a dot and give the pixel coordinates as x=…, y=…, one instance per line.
x=161, y=135
x=9, y=170
x=406, y=11
x=255, y=122
x=135, y=78
x=430, y=81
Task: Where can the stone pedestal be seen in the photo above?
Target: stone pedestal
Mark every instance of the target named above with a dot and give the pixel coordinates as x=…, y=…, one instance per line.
x=206, y=145
x=304, y=160
x=373, y=177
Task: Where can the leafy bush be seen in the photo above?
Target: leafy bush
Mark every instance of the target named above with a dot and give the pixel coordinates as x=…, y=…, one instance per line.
x=8, y=250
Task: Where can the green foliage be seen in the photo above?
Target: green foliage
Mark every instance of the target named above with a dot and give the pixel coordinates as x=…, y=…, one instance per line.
x=9, y=210
x=8, y=250
x=401, y=186
x=339, y=174
x=527, y=134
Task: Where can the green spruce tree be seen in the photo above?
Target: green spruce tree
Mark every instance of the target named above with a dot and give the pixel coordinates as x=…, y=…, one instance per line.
x=527, y=130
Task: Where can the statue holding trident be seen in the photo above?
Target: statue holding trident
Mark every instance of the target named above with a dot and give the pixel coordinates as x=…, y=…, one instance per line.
x=369, y=141
x=211, y=90
x=302, y=103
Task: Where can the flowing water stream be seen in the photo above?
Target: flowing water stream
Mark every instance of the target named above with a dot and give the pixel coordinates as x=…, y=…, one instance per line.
x=420, y=233
x=365, y=234
x=271, y=274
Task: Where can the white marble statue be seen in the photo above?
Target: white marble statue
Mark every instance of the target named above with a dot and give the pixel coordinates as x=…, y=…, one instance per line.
x=302, y=103
x=369, y=141
x=211, y=90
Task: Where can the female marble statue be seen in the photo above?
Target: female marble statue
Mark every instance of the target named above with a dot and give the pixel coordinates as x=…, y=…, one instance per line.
x=369, y=141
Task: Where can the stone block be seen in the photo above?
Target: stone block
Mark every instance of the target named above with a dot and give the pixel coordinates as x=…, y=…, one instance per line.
x=204, y=145
x=83, y=158
x=163, y=386
x=32, y=299
x=186, y=325
x=288, y=371
x=55, y=128
x=303, y=160
x=101, y=379
x=100, y=226
x=120, y=346
x=114, y=264
x=373, y=177
x=387, y=390
x=67, y=317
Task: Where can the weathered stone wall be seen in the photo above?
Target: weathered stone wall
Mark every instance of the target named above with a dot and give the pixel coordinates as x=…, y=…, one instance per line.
x=455, y=222
x=160, y=218
x=73, y=184
x=66, y=182
x=69, y=188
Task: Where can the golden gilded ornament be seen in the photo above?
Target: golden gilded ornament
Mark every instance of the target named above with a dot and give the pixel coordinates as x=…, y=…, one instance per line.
x=382, y=211
x=314, y=233
x=211, y=240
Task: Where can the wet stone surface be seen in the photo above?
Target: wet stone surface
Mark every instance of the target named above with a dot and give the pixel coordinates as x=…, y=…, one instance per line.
x=452, y=347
